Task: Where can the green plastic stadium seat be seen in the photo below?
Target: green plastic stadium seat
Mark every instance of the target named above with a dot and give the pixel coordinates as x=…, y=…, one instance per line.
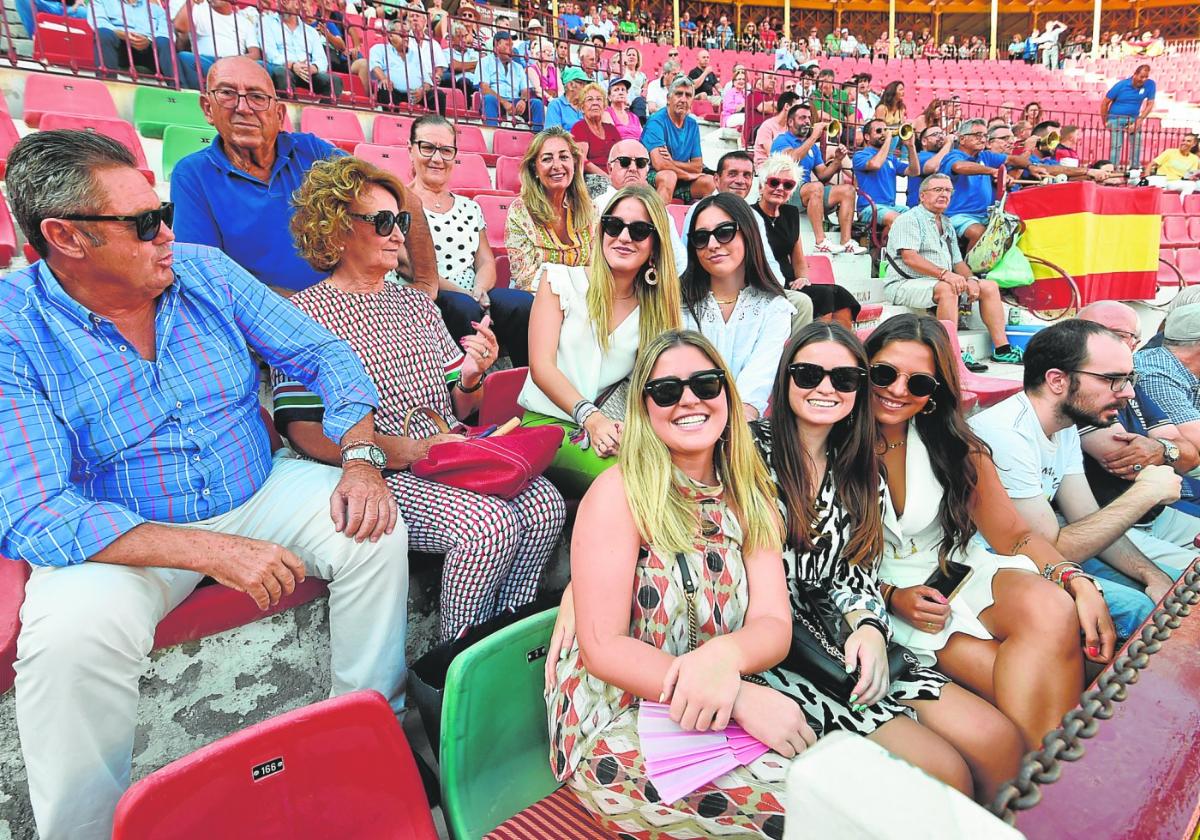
x=495, y=748
x=155, y=108
x=180, y=141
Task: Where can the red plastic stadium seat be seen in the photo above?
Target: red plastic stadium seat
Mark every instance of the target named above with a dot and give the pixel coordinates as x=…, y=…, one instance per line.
x=1166, y=259
x=393, y=159
x=1193, y=234
x=471, y=140
x=968, y=400
x=1191, y=204
x=678, y=212
x=508, y=142
x=503, y=271
x=8, y=139
x=869, y=312
x=117, y=129
x=990, y=389
x=64, y=41
x=338, y=768
x=339, y=127
x=470, y=175
x=391, y=130
x=820, y=269
x=1174, y=231
x=13, y=575
x=8, y=235
x=1170, y=204
x=495, y=212
x=1187, y=260
x=508, y=174
x=500, y=397
x=66, y=95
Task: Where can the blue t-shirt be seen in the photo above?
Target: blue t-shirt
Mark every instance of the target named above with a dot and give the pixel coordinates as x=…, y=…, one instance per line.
x=880, y=184
x=913, y=194
x=972, y=193
x=682, y=142
x=1126, y=99
x=571, y=23
x=813, y=159
x=1030, y=48
x=560, y=112
x=219, y=205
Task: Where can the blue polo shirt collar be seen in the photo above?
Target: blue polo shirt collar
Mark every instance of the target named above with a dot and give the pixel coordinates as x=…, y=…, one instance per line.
x=284, y=147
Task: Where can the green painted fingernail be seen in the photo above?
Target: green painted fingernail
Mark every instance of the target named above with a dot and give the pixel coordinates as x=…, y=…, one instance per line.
x=853, y=697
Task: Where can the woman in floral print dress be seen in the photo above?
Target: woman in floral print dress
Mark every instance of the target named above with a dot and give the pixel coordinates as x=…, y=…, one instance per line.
x=689, y=509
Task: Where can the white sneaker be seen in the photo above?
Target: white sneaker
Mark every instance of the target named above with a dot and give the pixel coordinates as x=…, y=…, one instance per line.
x=827, y=247
x=853, y=247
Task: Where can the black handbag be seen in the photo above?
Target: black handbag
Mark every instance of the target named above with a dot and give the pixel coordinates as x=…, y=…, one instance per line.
x=819, y=636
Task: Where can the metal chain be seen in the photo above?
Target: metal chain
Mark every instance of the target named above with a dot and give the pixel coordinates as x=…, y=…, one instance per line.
x=1065, y=743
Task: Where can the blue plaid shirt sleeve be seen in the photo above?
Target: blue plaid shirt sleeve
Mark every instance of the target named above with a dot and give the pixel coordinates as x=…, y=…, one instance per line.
x=44, y=519
x=1168, y=384
x=307, y=352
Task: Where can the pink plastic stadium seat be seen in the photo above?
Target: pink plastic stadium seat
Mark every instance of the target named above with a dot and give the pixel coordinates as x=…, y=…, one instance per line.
x=820, y=269
x=1191, y=204
x=1174, y=231
x=1170, y=204
x=65, y=95
x=8, y=139
x=339, y=127
x=508, y=142
x=8, y=235
x=391, y=130
x=495, y=211
x=117, y=129
x=1188, y=263
x=500, y=399
x=338, y=768
x=677, y=212
x=1167, y=258
x=503, y=271
x=393, y=159
x=990, y=389
x=471, y=143
x=508, y=174
x=470, y=176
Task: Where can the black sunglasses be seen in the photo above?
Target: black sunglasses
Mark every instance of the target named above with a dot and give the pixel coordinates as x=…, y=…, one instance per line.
x=919, y=384
x=638, y=231
x=845, y=379
x=668, y=390
x=385, y=221
x=624, y=162
x=723, y=233
x=146, y=224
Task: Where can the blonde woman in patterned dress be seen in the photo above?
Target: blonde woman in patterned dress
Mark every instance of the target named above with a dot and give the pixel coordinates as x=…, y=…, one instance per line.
x=347, y=222
x=688, y=509
x=821, y=447
x=552, y=220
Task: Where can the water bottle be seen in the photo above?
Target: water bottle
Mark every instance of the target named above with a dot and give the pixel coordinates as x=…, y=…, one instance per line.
x=1014, y=316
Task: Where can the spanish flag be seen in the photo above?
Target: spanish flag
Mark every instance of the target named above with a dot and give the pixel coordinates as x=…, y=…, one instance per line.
x=1106, y=238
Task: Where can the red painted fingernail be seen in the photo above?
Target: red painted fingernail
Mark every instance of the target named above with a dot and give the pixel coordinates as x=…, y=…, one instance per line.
x=1093, y=650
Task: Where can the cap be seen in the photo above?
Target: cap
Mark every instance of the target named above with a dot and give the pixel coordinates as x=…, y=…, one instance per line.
x=1183, y=324
x=502, y=35
x=619, y=81
x=574, y=74
x=534, y=24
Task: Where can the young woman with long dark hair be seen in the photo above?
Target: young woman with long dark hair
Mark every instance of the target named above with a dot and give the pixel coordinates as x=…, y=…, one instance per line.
x=1007, y=633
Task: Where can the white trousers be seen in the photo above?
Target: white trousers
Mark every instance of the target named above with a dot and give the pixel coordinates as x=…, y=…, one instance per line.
x=1176, y=527
x=87, y=632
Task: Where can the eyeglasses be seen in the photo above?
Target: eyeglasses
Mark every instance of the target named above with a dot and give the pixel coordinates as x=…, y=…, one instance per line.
x=1116, y=381
x=385, y=221
x=625, y=162
x=427, y=150
x=778, y=183
x=1131, y=337
x=146, y=224
x=638, y=231
x=845, y=379
x=668, y=390
x=723, y=233
x=230, y=98
x=919, y=384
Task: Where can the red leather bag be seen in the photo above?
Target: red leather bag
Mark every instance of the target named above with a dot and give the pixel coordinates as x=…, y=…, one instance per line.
x=502, y=466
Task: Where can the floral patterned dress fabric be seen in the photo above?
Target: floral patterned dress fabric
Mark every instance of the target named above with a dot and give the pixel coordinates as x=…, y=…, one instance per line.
x=593, y=725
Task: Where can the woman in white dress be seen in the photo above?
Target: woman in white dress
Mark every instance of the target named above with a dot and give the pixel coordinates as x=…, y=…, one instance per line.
x=733, y=298
x=1007, y=632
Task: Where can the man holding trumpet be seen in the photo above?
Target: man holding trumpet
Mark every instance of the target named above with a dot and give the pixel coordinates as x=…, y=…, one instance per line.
x=802, y=142
x=876, y=167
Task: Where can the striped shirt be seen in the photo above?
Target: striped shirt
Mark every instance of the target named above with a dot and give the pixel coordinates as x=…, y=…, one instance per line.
x=98, y=440
x=1168, y=384
x=916, y=230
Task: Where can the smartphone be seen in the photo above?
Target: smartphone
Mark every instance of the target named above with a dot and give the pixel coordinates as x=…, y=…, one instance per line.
x=950, y=581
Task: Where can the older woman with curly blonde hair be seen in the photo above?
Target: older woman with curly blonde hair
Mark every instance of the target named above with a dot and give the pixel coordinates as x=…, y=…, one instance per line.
x=552, y=220
x=348, y=222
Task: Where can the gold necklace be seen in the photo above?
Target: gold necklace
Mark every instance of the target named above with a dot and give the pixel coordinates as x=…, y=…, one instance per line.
x=897, y=445
x=733, y=299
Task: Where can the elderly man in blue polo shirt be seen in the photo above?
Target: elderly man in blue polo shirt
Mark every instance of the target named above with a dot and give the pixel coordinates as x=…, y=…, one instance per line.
x=972, y=170
x=132, y=399
x=236, y=194
x=505, y=86
x=1124, y=108
x=673, y=137
x=132, y=26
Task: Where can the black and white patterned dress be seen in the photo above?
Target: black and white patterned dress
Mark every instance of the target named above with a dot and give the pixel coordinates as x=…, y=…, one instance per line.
x=851, y=588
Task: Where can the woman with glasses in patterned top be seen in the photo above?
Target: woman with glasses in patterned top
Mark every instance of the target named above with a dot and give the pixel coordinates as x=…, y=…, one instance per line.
x=348, y=222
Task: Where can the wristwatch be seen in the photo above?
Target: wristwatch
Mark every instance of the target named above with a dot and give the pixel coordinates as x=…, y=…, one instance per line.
x=1170, y=451
x=368, y=452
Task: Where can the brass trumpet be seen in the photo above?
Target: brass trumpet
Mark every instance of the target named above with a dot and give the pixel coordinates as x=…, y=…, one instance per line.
x=906, y=132
x=1051, y=140
x=834, y=128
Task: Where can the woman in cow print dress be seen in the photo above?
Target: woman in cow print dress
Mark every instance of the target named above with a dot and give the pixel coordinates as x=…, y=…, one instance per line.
x=824, y=435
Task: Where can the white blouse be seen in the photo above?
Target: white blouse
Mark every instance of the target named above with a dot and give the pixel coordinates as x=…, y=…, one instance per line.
x=580, y=358
x=750, y=342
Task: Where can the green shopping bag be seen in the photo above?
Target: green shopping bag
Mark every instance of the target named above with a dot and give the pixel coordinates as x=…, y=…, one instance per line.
x=1012, y=270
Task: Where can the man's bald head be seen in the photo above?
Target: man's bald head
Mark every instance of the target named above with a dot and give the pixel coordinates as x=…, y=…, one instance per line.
x=634, y=153
x=244, y=130
x=1118, y=317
